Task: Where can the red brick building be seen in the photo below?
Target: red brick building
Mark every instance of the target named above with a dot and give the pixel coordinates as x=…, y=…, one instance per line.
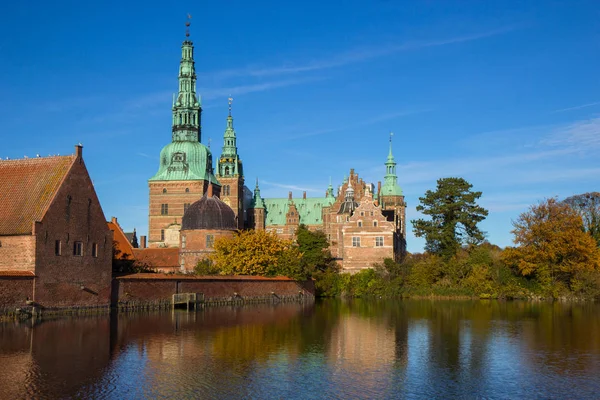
x=53, y=228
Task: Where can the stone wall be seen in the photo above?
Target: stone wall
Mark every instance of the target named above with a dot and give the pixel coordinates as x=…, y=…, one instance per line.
x=158, y=289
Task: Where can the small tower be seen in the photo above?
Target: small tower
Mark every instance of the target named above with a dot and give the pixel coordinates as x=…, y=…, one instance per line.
x=230, y=172
x=257, y=210
x=392, y=202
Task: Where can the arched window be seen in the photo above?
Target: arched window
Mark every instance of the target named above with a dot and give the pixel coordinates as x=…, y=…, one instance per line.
x=187, y=190
x=164, y=190
x=360, y=224
x=374, y=223
x=226, y=170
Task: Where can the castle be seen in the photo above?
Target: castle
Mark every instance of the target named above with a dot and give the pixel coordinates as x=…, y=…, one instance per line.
x=363, y=223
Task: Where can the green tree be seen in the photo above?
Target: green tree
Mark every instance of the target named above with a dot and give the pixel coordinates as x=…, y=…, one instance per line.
x=454, y=217
x=588, y=206
x=314, y=247
x=552, y=245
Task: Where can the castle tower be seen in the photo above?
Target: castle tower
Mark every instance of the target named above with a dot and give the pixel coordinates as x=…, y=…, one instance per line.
x=230, y=172
x=185, y=164
x=392, y=202
x=257, y=210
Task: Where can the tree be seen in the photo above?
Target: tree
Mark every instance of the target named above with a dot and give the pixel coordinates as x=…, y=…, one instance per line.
x=454, y=217
x=257, y=252
x=588, y=206
x=552, y=245
x=314, y=247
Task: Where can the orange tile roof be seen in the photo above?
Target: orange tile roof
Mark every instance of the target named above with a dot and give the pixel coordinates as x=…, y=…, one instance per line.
x=120, y=241
x=144, y=276
x=27, y=187
x=29, y=274
x=157, y=257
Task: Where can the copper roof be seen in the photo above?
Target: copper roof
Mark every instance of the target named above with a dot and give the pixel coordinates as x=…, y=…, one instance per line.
x=209, y=213
x=157, y=257
x=27, y=187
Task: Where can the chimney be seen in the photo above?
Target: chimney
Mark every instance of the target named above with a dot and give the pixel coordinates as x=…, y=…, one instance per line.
x=79, y=150
x=209, y=190
x=304, y=195
x=351, y=172
x=290, y=195
x=114, y=220
x=378, y=188
x=143, y=242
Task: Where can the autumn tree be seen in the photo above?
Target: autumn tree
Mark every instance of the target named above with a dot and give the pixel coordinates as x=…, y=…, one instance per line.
x=454, y=217
x=552, y=245
x=257, y=252
x=588, y=206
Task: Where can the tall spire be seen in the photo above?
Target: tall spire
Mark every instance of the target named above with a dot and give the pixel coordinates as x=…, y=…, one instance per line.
x=329, y=192
x=187, y=109
x=390, y=186
x=229, y=138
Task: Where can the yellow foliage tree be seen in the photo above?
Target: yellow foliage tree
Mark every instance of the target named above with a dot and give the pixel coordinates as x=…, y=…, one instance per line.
x=257, y=252
x=552, y=244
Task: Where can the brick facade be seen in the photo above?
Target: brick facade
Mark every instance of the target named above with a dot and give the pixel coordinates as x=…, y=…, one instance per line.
x=17, y=253
x=197, y=245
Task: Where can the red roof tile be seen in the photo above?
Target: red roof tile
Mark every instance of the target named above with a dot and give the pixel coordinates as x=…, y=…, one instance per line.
x=29, y=274
x=27, y=187
x=144, y=276
x=157, y=257
x=120, y=241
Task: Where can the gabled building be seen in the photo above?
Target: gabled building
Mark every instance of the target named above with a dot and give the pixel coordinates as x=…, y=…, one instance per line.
x=52, y=227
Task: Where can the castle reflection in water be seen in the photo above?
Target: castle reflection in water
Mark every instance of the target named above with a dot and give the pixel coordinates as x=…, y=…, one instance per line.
x=334, y=349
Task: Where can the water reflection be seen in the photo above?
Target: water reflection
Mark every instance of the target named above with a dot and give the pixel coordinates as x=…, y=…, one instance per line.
x=334, y=349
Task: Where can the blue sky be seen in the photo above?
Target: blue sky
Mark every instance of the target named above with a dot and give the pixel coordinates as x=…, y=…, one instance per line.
x=505, y=94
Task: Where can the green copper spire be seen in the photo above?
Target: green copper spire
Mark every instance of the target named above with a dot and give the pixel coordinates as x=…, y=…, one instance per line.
x=187, y=109
x=329, y=192
x=390, y=186
x=257, y=201
x=230, y=164
x=185, y=158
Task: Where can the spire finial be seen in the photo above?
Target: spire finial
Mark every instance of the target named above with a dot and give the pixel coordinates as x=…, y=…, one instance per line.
x=230, y=100
x=187, y=25
x=257, y=182
x=209, y=140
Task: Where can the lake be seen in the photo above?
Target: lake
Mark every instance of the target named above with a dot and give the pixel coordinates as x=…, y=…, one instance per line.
x=334, y=349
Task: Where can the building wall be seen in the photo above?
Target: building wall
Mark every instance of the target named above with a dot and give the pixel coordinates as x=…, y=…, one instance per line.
x=17, y=253
x=195, y=248
x=75, y=215
x=15, y=291
x=175, y=197
x=235, y=197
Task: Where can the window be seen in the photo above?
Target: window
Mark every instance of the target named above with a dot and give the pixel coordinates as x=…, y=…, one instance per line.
x=210, y=241
x=164, y=190
x=360, y=224
x=162, y=235
x=164, y=209
x=95, y=250
x=185, y=207
x=182, y=241
x=371, y=213
x=78, y=249
x=187, y=190
x=57, y=248
x=374, y=223
x=378, y=241
x=355, y=241
x=362, y=213
x=279, y=230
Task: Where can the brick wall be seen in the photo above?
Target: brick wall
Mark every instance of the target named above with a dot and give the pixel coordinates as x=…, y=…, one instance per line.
x=17, y=253
x=141, y=288
x=14, y=291
x=74, y=216
x=196, y=247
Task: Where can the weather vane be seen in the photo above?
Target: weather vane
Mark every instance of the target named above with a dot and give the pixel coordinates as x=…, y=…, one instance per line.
x=230, y=100
x=187, y=25
x=391, y=134
x=209, y=143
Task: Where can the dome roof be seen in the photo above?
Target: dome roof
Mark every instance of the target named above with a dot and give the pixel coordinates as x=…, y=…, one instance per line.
x=209, y=213
x=185, y=160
